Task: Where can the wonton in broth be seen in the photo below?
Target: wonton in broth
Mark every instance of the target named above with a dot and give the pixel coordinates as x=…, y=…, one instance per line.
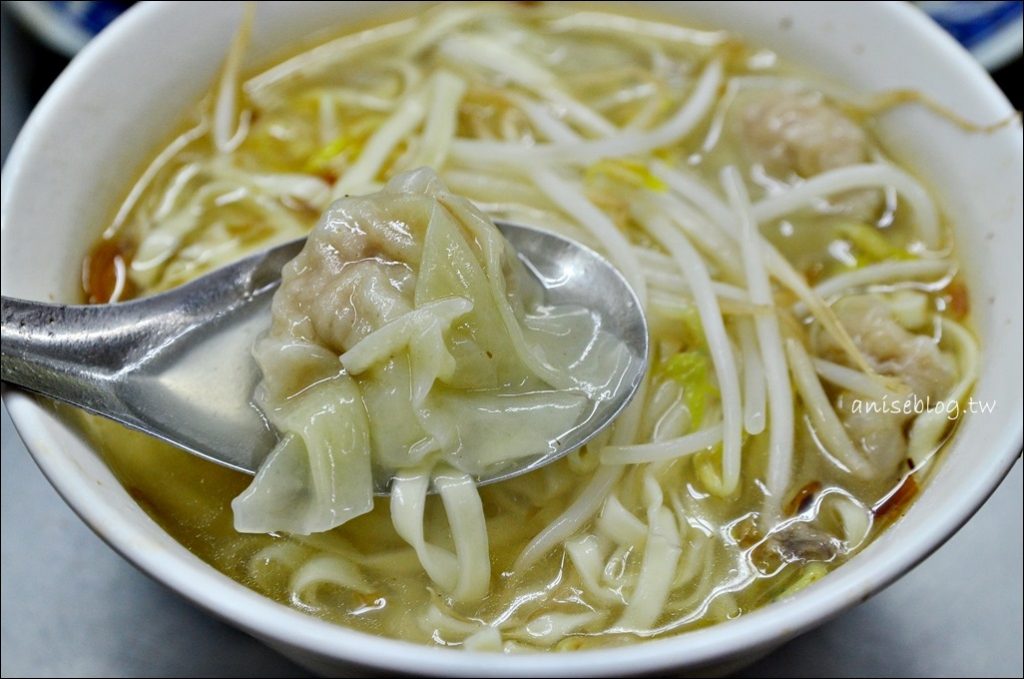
x=799, y=285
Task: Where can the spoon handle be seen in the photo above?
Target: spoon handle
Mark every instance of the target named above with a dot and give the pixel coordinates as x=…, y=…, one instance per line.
x=176, y=365
x=63, y=351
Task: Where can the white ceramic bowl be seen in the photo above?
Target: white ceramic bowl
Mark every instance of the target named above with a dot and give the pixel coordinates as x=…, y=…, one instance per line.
x=121, y=97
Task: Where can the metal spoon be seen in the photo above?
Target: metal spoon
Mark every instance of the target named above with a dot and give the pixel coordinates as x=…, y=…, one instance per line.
x=179, y=365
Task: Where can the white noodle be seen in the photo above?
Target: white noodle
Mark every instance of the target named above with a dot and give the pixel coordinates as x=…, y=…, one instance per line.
x=584, y=116
x=695, y=560
x=327, y=118
x=884, y=272
x=408, y=501
x=437, y=620
x=769, y=338
x=661, y=555
x=660, y=451
x=701, y=195
x=587, y=554
x=572, y=519
x=589, y=151
x=653, y=259
x=481, y=186
x=392, y=132
x=664, y=398
x=443, y=20
x=850, y=177
x=627, y=425
x=343, y=48
x=287, y=554
x=853, y=380
x=162, y=242
x=631, y=26
x=446, y=91
x=174, y=190
x=753, y=379
x=486, y=640
x=570, y=199
x=696, y=274
x=930, y=425
x=326, y=569
x=490, y=53
x=394, y=336
x=306, y=188
x=673, y=423
x=665, y=280
x=547, y=124
x=784, y=272
x=855, y=518
x=628, y=94
x=662, y=273
x=228, y=129
x=619, y=524
x=487, y=52
x=823, y=416
x=173, y=149
x=548, y=628
x=774, y=261
x=469, y=533
x=356, y=99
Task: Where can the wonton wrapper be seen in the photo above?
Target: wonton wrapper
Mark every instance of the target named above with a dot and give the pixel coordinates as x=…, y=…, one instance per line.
x=407, y=335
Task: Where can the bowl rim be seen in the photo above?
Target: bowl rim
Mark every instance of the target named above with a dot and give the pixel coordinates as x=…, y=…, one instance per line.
x=279, y=624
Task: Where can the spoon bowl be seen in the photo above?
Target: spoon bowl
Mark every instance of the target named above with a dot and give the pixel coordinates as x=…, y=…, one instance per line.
x=179, y=366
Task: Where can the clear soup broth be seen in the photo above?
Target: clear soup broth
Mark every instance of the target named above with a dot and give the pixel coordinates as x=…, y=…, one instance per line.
x=799, y=382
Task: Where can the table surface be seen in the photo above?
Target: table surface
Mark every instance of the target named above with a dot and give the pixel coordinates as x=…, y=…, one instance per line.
x=70, y=606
